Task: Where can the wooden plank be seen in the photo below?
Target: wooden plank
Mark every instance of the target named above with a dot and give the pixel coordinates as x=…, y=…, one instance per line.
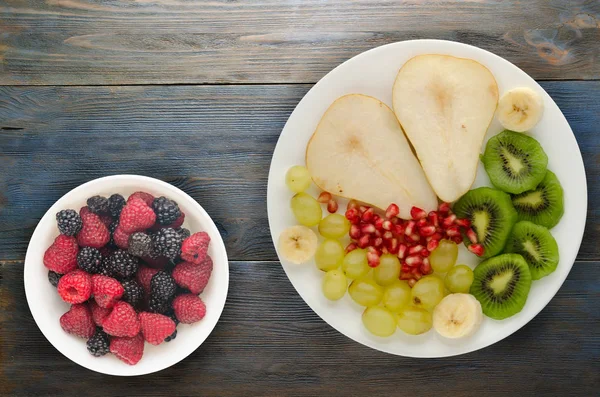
x=214, y=142
x=271, y=41
x=266, y=346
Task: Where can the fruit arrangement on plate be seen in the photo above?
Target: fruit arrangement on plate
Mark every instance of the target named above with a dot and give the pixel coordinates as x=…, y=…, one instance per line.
x=130, y=271
x=396, y=205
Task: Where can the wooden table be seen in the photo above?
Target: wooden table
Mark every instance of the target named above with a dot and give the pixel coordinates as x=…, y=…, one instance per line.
x=196, y=93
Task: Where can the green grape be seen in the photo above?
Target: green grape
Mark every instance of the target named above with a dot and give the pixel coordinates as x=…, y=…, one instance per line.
x=444, y=256
x=329, y=255
x=427, y=292
x=388, y=270
x=355, y=264
x=365, y=292
x=334, y=285
x=414, y=320
x=459, y=279
x=379, y=321
x=297, y=179
x=334, y=226
x=306, y=209
x=396, y=296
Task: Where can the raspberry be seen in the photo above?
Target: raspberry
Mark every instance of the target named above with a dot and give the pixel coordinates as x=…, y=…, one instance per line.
x=167, y=242
x=195, y=247
x=128, y=350
x=75, y=287
x=116, y=202
x=133, y=292
x=156, y=327
x=121, y=238
x=78, y=321
x=122, y=321
x=146, y=197
x=98, y=313
x=97, y=345
x=89, y=259
x=61, y=256
x=94, y=232
x=54, y=277
x=189, y=308
x=69, y=222
x=123, y=264
x=162, y=286
x=106, y=219
x=166, y=210
x=136, y=216
x=98, y=205
x=193, y=277
x=140, y=244
x=144, y=277
x=107, y=291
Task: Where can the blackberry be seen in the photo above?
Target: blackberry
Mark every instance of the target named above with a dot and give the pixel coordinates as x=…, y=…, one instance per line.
x=106, y=268
x=69, y=222
x=98, y=345
x=116, y=202
x=162, y=286
x=140, y=244
x=89, y=259
x=167, y=211
x=167, y=242
x=111, y=229
x=183, y=232
x=123, y=264
x=133, y=292
x=171, y=314
x=98, y=205
x=157, y=305
x=54, y=277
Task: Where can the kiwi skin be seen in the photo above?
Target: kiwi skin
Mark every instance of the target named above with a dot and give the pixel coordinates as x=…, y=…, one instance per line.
x=542, y=205
x=536, y=245
x=511, y=294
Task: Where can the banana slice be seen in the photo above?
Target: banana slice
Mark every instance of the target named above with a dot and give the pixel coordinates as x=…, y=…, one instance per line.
x=457, y=316
x=297, y=244
x=520, y=109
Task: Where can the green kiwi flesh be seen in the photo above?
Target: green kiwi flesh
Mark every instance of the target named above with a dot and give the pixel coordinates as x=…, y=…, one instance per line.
x=542, y=205
x=514, y=162
x=501, y=284
x=492, y=217
x=536, y=245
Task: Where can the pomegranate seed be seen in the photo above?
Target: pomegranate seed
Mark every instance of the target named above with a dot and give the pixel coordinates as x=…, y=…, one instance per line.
x=477, y=249
x=472, y=235
x=434, y=218
x=395, y=221
x=410, y=226
x=427, y=231
x=432, y=244
x=399, y=229
x=367, y=228
x=444, y=208
x=464, y=222
x=384, y=250
x=392, y=211
x=352, y=215
x=351, y=247
x=355, y=232
x=332, y=206
x=415, y=249
x=402, y=250
x=415, y=237
x=453, y=231
x=362, y=209
x=364, y=241
x=367, y=216
x=437, y=236
x=324, y=197
x=413, y=260
x=422, y=222
x=388, y=235
x=425, y=267
x=387, y=225
x=412, y=282
x=447, y=222
x=378, y=222
x=457, y=239
x=372, y=259
x=393, y=245
x=405, y=275
x=352, y=204
x=378, y=242
x=425, y=253
x=405, y=269
x=378, y=233
x=417, y=213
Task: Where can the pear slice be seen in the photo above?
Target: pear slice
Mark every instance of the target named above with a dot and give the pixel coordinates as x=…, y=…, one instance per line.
x=445, y=106
x=359, y=151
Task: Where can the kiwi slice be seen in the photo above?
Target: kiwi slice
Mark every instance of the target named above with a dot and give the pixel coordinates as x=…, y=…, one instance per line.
x=542, y=205
x=514, y=162
x=492, y=217
x=536, y=245
x=501, y=284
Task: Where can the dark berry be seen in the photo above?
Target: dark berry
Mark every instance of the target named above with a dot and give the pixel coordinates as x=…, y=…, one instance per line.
x=98, y=205
x=167, y=211
x=69, y=222
x=172, y=316
x=133, y=292
x=183, y=232
x=89, y=259
x=167, y=242
x=157, y=305
x=106, y=268
x=172, y=336
x=162, y=286
x=140, y=244
x=98, y=345
x=116, y=202
x=54, y=277
x=123, y=264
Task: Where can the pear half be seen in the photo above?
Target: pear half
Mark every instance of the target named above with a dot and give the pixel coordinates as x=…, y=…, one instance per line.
x=445, y=106
x=359, y=151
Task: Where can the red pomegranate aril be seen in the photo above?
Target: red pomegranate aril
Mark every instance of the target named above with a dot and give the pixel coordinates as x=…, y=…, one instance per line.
x=392, y=246
x=405, y=269
x=412, y=282
x=432, y=244
x=352, y=204
x=388, y=235
x=405, y=275
x=477, y=249
x=367, y=216
x=378, y=233
x=415, y=237
x=402, y=248
x=422, y=222
x=378, y=242
x=364, y=241
x=395, y=221
x=332, y=206
x=399, y=228
x=425, y=253
x=410, y=227
x=457, y=239
x=324, y=197
x=362, y=209
x=352, y=215
x=437, y=236
x=415, y=249
x=351, y=247
x=417, y=213
x=444, y=208
x=447, y=222
x=425, y=268
x=427, y=231
x=434, y=218
x=378, y=222
x=413, y=260
x=373, y=259
x=355, y=232
x=387, y=225
x=384, y=250
x=453, y=231
x=472, y=236
x=392, y=211
x=464, y=222
x=367, y=228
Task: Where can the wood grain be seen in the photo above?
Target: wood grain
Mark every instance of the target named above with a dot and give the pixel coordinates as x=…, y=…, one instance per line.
x=67, y=42
x=214, y=142
x=268, y=342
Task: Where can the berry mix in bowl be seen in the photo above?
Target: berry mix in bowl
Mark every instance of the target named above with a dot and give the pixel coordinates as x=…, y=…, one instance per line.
x=126, y=275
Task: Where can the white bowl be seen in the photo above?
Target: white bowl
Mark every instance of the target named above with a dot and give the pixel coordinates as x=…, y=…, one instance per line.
x=46, y=305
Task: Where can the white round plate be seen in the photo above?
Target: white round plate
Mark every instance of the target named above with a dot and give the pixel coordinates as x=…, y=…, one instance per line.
x=373, y=73
x=46, y=305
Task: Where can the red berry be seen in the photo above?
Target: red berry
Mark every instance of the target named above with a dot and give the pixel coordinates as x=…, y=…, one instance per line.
x=122, y=321
x=463, y=222
x=144, y=277
x=195, y=247
x=367, y=228
x=136, y=216
x=146, y=197
x=402, y=248
x=189, y=308
x=364, y=241
x=427, y=231
x=121, y=238
x=78, y=321
x=61, y=256
x=477, y=249
x=98, y=313
x=453, y=231
x=410, y=227
x=426, y=267
x=417, y=213
x=414, y=260
x=193, y=277
x=434, y=218
x=415, y=250
x=107, y=291
x=378, y=242
x=94, y=232
x=373, y=258
x=447, y=222
x=392, y=211
x=156, y=327
x=368, y=215
x=353, y=215
x=128, y=350
x=351, y=247
x=354, y=232
x=75, y=287
x=432, y=244
x=472, y=236
x=444, y=208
